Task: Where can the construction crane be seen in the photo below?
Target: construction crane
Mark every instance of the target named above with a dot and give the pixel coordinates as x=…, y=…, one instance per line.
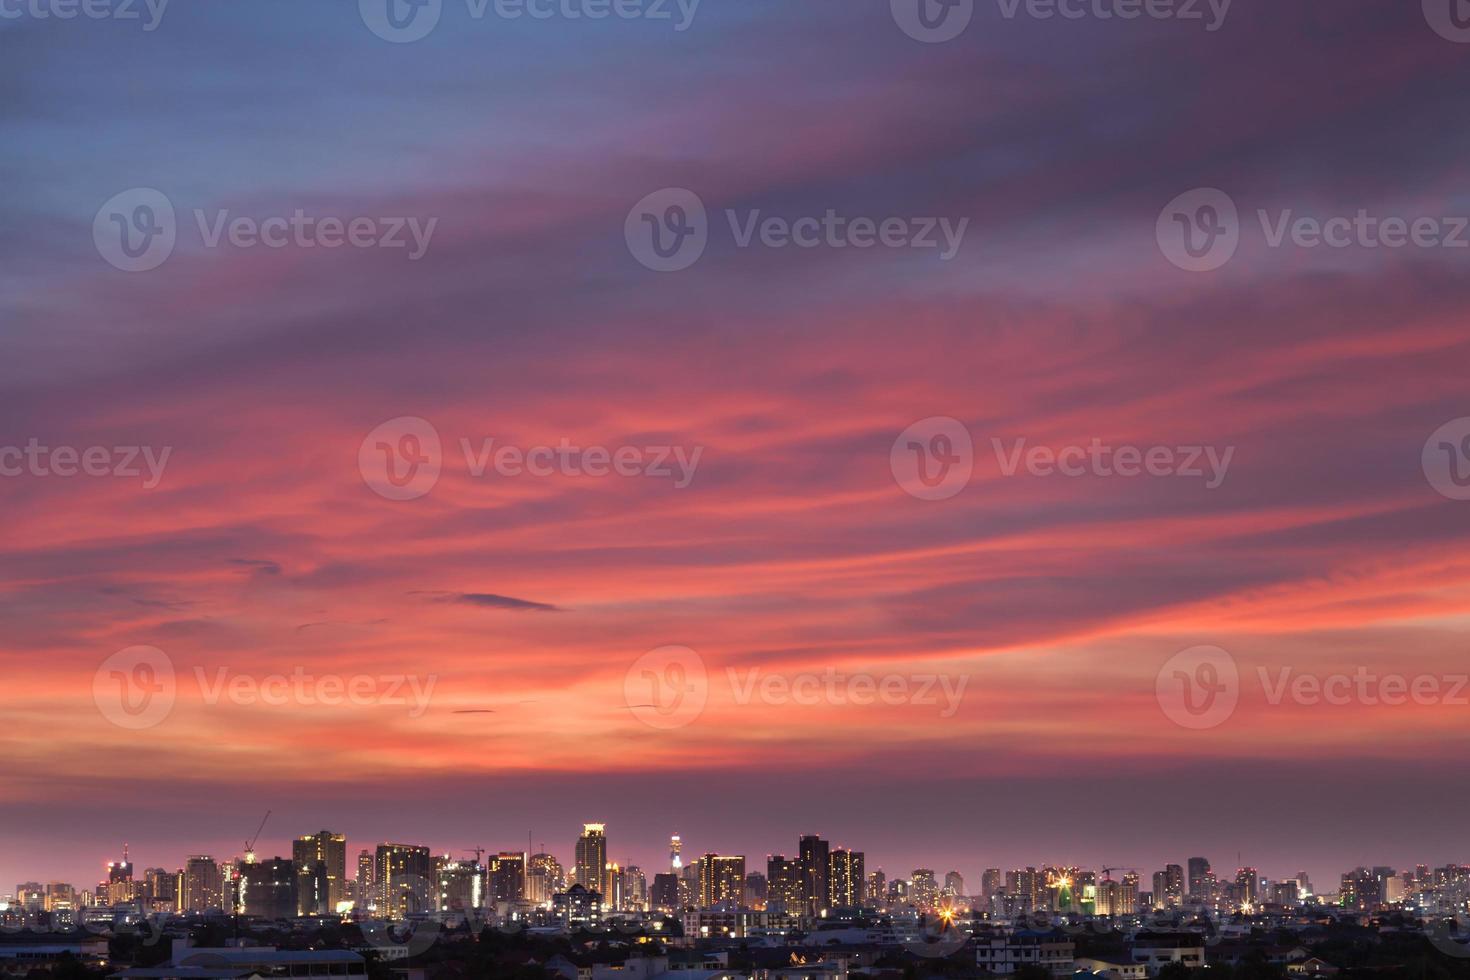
x=1108, y=872
x=479, y=853
x=250, y=844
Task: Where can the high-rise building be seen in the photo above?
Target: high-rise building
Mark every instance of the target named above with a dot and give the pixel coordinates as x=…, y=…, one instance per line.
x=461, y=886
x=404, y=877
x=160, y=891
x=590, y=868
x=991, y=882
x=954, y=884
x=1247, y=885
x=60, y=897
x=756, y=890
x=846, y=878
x=366, y=892
x=508, y=877
x=544, y=878
x=322, y=889
x=676, y=850
x=816, y=869
x=30, y=895
x=268, y=888
x=203, y=888
x=119, y=886
x=924, y=890
x=722, y=880
x=785, y=892
x=876, y=889
x=665, y=893
x=635, y=889
x=1201, y=880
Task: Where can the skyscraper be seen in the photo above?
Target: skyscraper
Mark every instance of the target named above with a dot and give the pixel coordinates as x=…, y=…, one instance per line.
x=365, y=892
x=676, y=848
x=816, y=870
x=268, y=888
x=508, y=877
x=328, y=850
x=722, y=880
x=784, y=890
x=203, y=885
x=544, y=878
x=846, y=878
x=954, y=884
x=404, y=878
x=1201, y=880
x=591, y=858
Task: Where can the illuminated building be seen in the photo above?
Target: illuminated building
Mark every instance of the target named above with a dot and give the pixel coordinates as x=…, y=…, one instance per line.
x=784, y=891
x=954, y=884
x=1247, y=883
x=119, y=887
x=203, y=886
x=635, y=889
x=722, y=880
x=544, y=878
x=322, y=862
x=846, y=878
x=461, y=886
x=664, y=896
x=1004, y=956
x=1201, y=881
x=591, y=858
x=268, y=888
x=676, y=848
x=508, y=877
x=924, y=890
x=577, y=906
x=815, y=857
x=876, y=887
x=160, y=892
x=991, y=882
x=403, y=875
x=60, y=897
x=756, y=890
x=30, y=896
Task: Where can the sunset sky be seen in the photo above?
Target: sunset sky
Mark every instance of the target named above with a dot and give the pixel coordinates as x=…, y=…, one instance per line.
x=793, y=549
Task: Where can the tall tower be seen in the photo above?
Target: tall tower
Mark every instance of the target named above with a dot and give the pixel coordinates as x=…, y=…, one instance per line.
x=675, y=847
x=815, y=855
x=592, y=858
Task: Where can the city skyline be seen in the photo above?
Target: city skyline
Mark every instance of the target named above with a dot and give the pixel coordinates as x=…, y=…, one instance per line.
x=1048, y=441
